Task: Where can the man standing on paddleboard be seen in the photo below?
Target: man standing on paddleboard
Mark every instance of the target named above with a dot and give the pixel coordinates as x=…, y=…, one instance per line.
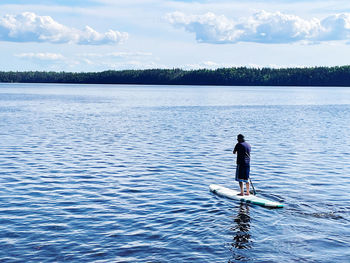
x=242, y=149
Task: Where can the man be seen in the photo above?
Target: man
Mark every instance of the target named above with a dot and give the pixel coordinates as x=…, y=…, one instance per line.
x=242, y=149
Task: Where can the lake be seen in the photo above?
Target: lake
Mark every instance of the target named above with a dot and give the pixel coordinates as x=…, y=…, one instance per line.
x=98, y=173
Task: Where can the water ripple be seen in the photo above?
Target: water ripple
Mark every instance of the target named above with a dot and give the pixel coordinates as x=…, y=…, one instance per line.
x=91, y=176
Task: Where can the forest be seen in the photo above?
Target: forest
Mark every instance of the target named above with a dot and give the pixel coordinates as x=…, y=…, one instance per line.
x=239, y=76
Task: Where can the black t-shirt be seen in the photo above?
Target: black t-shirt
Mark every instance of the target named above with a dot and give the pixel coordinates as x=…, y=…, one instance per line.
x=243, y=153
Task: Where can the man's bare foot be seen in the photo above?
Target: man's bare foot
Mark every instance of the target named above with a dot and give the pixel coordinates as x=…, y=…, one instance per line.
x=247, y=194
x=240, y=194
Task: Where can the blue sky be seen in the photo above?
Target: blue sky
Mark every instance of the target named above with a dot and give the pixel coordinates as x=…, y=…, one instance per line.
x=96, y=35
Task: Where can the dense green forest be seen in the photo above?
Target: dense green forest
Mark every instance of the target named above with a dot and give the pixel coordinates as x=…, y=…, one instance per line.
x=313, y=76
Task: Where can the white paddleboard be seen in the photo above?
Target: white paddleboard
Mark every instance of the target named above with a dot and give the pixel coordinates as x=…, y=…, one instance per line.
x=253, y=199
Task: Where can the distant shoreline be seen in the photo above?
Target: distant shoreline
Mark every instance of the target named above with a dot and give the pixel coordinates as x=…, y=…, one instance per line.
x=240, y=76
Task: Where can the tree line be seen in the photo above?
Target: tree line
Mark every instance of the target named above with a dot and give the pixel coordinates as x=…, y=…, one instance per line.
x=240, y=76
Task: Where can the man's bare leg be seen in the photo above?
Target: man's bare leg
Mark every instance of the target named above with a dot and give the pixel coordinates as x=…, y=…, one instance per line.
x=247, y=186
x=242, y=189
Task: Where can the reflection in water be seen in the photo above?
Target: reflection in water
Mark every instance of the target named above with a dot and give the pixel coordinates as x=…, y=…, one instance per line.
x=241, y=239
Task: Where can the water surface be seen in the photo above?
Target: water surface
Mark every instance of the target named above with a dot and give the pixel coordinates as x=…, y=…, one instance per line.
x=94, y=173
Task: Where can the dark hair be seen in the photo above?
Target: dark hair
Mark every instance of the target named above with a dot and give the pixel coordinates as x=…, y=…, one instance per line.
x=240, y=136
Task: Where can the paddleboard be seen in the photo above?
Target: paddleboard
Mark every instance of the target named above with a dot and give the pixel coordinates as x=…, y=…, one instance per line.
x=253, y=199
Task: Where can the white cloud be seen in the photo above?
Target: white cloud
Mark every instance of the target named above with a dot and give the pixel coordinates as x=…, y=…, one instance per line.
x=122, y=55
x=94, y=61
x=263, y=27
x=41, y=56
x=119, y=60
x=207, y=65
x=216, y=65
x=29, y=27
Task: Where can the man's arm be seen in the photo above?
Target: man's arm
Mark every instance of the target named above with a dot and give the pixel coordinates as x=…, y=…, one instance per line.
x=235, y=150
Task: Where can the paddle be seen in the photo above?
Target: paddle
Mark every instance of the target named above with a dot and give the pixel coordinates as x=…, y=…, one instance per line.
x=252, y=186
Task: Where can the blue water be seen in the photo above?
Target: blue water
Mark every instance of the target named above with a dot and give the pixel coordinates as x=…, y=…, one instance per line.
x=93, y=173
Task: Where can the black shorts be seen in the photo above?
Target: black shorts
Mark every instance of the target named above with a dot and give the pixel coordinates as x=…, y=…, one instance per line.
x=242, y=173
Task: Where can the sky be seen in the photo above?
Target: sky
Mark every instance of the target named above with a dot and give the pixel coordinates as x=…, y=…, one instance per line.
x=98, y=35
